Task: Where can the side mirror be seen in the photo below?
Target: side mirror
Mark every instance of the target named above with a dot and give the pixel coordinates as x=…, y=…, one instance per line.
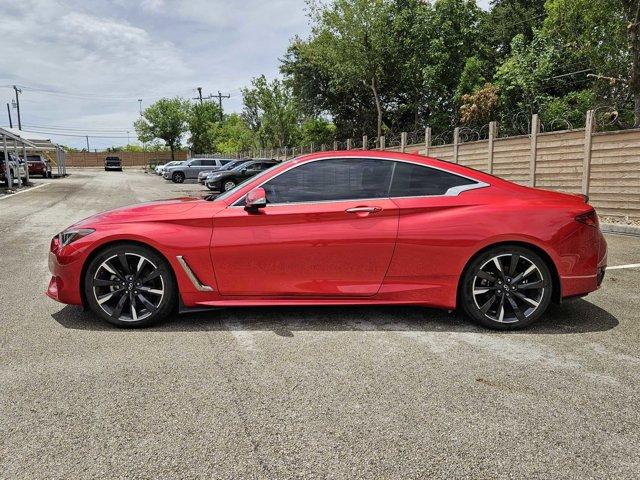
x=255, y=199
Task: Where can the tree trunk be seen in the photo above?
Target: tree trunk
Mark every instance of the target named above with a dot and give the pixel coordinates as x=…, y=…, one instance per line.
x=376, y=97
x=634, y=84
x=172, y=153
x=632, y=11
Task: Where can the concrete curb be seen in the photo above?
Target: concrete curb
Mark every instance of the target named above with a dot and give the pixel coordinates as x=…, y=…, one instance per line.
x=620, y=229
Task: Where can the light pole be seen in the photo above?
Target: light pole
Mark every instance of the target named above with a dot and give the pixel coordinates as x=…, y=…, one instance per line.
x=140, y=104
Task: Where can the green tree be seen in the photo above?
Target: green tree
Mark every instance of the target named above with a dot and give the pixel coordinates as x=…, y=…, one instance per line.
x=597, y=36
x=233, y=135
x=203, y=117
x=317, y=131
x=454, y=30
x=505, y=20
x=351, y=39
x=271, y=112
x=166, y=120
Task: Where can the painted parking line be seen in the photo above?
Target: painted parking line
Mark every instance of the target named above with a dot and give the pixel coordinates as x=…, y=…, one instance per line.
x=11, y=195
x=629, y=265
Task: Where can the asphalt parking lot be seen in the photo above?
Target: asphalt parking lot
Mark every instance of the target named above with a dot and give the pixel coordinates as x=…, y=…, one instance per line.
x=358, y=392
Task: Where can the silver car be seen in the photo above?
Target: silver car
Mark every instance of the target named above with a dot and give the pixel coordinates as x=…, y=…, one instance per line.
x=161, y=168
x=191, y=168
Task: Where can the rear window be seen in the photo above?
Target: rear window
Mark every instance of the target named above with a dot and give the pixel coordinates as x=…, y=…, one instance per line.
x=411, y=180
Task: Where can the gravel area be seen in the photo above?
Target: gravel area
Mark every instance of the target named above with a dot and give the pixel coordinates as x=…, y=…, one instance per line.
x=358, y=392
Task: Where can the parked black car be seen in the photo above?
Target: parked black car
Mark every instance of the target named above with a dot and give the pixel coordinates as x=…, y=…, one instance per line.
x=228, y=166
x=112, y=163
x=224, y=180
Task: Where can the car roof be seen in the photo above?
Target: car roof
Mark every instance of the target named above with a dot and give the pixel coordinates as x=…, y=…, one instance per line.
x=406, y=157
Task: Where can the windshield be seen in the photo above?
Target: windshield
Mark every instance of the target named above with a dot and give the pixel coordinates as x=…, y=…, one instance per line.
x=232, y=165
x=242, y=184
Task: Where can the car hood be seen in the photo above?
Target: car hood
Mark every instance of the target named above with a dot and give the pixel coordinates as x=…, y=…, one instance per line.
x=143, y=211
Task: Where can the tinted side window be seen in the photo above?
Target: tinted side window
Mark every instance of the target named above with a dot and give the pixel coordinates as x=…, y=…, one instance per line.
x=411, y=180
x=195, y=163
x=339, y=179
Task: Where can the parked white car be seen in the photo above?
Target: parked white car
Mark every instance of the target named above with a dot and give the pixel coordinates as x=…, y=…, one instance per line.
x=160, y=168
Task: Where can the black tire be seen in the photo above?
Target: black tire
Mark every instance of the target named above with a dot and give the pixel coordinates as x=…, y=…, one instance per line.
x=228, y=184
x=109, y=291
x=177, y=177
x=508, y=298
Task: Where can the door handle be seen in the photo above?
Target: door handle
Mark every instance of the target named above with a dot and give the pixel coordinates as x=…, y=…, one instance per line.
x=363, y=209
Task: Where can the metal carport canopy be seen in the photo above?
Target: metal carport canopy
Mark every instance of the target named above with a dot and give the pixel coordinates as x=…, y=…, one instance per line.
x=38, y=143
x=10, y=134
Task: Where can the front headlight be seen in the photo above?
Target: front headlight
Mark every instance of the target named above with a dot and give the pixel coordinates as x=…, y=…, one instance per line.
x=73, y=234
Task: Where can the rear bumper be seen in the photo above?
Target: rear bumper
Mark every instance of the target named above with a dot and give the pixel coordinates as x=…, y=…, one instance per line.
x=113, y=167
x=587, y=275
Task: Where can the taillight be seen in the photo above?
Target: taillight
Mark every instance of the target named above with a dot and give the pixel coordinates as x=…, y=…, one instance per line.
x=589, y=218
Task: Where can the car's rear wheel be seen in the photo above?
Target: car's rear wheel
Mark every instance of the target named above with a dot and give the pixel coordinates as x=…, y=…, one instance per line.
x=129, y=286
x=229, y=184
x=506, y=287
x=178, y=177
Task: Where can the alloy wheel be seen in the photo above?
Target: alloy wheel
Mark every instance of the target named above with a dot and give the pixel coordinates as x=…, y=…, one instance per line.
x=229, y=185
x=508, y=288
x=128, y=287
x=178, y=177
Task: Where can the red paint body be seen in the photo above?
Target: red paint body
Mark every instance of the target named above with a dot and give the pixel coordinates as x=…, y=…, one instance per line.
x=411, y=250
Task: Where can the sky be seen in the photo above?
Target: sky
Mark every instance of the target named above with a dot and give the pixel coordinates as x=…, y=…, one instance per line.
x=83, y=65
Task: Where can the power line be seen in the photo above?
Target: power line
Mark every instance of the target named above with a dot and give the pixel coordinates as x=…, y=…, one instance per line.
x=80, y=135
x=78, y=129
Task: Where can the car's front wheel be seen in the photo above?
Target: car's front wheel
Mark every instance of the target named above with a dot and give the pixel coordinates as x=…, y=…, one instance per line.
x=229, y=184
x=506, y=287
x=129, y=286
x=177, y=177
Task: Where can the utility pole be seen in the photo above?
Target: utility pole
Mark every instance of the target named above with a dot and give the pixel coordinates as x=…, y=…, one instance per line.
x=140, y=104
x=87, y=137
x=220, y=97
x=199, y=97
x=128, y=139
x=18, y=106
x=9, y=113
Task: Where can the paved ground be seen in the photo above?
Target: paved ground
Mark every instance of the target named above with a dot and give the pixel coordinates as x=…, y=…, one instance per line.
x=303, y=392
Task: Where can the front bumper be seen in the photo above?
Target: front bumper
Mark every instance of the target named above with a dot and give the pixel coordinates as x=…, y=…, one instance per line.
x=215, y=185
x=65, y=265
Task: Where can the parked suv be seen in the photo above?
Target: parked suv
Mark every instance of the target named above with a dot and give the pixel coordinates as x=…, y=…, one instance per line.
x=112, y=163
x=39, y=165
x=16, y=168
x=224, y=180
x=192, y=168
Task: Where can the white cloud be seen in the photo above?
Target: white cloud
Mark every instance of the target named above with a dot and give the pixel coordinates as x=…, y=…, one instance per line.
x=133, y=50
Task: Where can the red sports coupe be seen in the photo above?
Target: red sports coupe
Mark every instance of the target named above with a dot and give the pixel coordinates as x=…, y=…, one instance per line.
x=338, y=228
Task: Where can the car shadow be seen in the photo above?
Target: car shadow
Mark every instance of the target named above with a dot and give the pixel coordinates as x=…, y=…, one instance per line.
x=576, y=316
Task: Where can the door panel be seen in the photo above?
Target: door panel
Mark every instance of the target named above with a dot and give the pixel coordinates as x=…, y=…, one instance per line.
x=315, y=249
